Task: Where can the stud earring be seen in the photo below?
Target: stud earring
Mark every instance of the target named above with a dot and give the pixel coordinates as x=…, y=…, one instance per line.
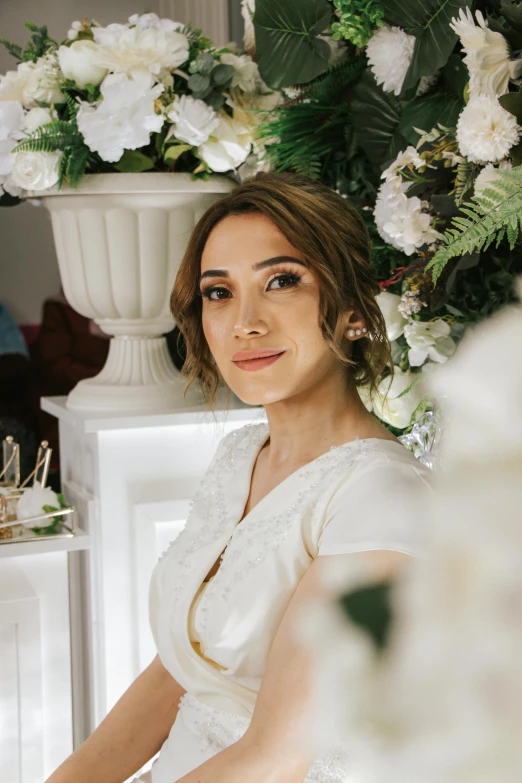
x=364, y=330
x=351, y=333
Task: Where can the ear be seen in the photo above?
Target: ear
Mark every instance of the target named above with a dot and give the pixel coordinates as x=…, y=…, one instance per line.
x=353, y=324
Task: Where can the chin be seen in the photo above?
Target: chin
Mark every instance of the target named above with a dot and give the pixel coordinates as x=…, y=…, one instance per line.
x=257, y=396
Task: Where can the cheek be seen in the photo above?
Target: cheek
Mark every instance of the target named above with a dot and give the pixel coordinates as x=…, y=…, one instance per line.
x=215, y=328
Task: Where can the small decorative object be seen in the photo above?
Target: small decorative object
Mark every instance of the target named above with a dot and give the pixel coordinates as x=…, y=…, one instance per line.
x=125, y=133
x=27, y=512
x=424, y=437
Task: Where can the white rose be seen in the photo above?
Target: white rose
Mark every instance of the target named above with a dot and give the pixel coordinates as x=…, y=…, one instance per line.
x=193, y=120
x=429, y=340
x=13, y=83
x=35, y=118
x=79, y=63
x=231, y=148
x=246, y=73
x=33, y=500
x=395, y=322
x=404, y=395
x=43, y=82
x=35, y=170
x=12, y=122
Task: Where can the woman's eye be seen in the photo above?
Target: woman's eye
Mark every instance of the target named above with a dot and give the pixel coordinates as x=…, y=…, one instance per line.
x=285, y=280
x=215, y=293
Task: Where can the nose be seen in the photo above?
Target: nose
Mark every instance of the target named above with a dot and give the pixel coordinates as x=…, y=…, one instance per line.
x=248, y=321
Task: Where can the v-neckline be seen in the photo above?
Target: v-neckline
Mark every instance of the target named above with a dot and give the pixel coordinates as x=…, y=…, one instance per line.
x=250, y=466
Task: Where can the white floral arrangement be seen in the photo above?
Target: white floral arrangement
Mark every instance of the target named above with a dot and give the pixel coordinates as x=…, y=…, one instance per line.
x=147, y=95
x=429, y=99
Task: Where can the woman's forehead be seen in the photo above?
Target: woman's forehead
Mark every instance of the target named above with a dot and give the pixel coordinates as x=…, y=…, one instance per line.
x=245, y=238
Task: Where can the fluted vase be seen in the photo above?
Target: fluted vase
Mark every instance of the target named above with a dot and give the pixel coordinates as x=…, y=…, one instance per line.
x=119, y=240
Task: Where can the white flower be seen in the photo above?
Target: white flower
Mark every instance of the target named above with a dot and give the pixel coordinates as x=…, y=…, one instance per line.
x=408, y=157
x=75, y=28
x=35, y=170
x=487, y=55
x=252, y=165
x=396, y=400
x=78, y=62
x=231, y=147
x=43, y=82
x=248, y=8
x=488, y=175
x=400, y=220
x=34, y=499
x=125, y=49
x=429, y=340
x=389, y=53
x=246, y=73
x=12, y=123
x=193, y=120
x=486, y=131
x=124, y=119
x=411, y=302
x=35, y=118
x=146, y=21
x=395, y=322
x=33, y=82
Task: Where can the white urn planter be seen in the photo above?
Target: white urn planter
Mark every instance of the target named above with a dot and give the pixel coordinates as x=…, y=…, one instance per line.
x=119, y=240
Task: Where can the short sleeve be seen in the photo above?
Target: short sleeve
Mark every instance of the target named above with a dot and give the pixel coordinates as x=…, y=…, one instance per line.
x=381, y=507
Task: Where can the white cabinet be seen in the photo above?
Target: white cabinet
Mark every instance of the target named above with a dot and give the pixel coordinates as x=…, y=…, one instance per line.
x=37, y=659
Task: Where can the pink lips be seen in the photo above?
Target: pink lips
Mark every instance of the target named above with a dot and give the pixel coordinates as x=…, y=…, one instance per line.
x=255, y=360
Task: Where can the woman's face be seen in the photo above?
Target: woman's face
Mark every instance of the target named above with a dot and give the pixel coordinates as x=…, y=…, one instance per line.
x=259, y=299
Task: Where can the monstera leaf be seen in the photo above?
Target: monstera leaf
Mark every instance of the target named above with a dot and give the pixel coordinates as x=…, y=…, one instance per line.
x=426, y=112
x=288, y=49
x=428, y=21
x=376, y=115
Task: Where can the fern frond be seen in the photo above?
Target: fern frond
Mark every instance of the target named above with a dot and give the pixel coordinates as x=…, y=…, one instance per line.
x=491, y=216
x=330, y=87
x=57, y=135
x=72, y=107
x=464, y=180
x=14, y=49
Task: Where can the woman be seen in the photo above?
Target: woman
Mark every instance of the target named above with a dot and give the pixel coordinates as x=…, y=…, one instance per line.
x=275, y=295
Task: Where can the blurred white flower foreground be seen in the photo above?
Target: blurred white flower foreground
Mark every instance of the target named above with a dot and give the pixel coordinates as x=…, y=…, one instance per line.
x=443, y=703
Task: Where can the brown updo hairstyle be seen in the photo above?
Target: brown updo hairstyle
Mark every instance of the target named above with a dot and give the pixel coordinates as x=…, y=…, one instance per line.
x=335, y=246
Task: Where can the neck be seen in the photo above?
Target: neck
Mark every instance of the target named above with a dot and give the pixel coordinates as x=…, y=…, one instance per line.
x=307, y=424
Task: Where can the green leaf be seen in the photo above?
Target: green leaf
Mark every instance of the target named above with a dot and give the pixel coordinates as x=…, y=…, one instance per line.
x=427, y=111
x=288, y=50
x=134, y=161
x=512, y=102
x=428, y=21
x=455, y=75
x=376, y=116
x=198, y=83
x=215, y=99
x=222, y=75
x=369, y=608
x=174, y=151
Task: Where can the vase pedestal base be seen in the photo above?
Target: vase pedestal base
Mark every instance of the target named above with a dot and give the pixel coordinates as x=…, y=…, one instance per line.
x=138, y=376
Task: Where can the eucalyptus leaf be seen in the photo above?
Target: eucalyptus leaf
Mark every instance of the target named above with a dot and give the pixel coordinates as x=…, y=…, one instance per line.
x=426, y=112
x=134, y=161
x=222, y=75
x=288, y=48
x=198, y=83
x=215, y=99
x=428, y=21
x=376, y=115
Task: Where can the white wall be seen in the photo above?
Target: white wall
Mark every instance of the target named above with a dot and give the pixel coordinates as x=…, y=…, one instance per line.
x=28, y=266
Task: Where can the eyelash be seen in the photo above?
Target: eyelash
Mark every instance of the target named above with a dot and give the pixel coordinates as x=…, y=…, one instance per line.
x=292, y=276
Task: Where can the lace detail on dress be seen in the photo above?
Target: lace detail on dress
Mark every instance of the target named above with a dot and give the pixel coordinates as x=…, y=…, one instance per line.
x=218, y=729
x=208, y=504
x=250, y=545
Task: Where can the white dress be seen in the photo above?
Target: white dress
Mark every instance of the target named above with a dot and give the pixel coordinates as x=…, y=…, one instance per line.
x=214, y=637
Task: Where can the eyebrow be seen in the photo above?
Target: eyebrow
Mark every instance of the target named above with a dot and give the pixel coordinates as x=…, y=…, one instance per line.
x=256, y=267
